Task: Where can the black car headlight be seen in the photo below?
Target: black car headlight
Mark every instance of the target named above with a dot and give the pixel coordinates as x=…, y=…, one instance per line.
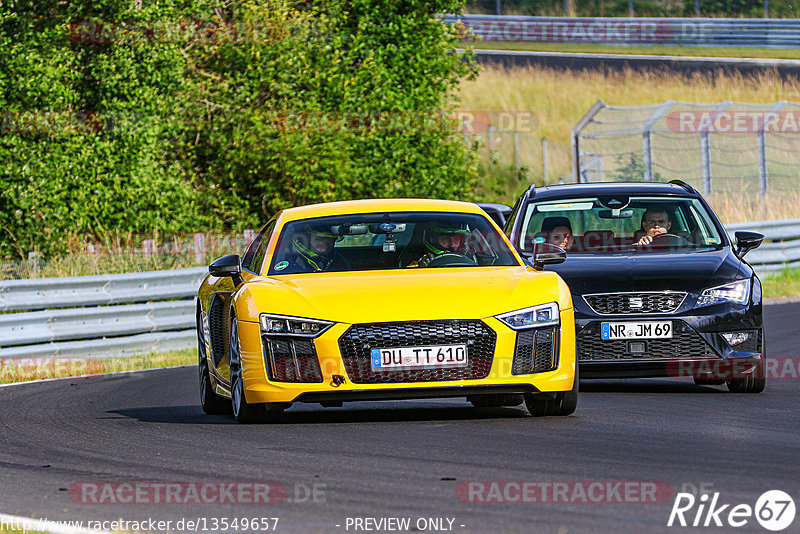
x=736, y=292
x=283, y=325
x=535, y=316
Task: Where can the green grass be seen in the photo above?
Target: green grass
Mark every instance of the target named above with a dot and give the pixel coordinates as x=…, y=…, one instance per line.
x=783, y=284
x=652, y=50
x=57, y=368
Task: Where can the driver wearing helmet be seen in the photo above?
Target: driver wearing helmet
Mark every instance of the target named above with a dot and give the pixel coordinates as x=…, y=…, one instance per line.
x=441, y=239
x=313, y=248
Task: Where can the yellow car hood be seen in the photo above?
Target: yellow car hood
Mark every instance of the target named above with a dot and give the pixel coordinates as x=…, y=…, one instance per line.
x=381, y=296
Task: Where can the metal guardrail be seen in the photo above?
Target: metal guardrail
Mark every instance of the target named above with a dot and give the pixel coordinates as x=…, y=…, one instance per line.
x=98, y=316
x=781, y=248
x=104, y=289
x=118, y=315
x=770, y=33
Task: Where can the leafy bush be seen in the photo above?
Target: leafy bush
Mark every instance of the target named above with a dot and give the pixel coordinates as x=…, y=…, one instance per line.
x=187, y=127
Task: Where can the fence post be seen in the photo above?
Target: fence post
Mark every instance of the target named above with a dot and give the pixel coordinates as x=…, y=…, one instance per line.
x=491, y=140
x=200, y=248
x=148, y=246
x=516, y=149
x=464, y=124
x=763, y=178
x=33, y=263
x=544, y=159
x=705, y=152
x=647, y=148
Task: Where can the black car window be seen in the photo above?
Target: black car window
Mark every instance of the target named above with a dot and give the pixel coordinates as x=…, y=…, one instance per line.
x=254, y=256
x=594, y=227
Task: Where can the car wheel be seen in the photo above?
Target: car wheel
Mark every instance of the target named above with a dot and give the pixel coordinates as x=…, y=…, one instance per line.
x=243, y=412
x=560, y=403
x=752, y=383
x=211, y=403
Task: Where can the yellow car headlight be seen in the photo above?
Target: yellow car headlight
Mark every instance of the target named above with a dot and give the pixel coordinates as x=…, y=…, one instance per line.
x=292, y=326
x=535, y=316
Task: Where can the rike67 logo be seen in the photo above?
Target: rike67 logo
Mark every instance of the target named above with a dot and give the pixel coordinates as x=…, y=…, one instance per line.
x=774, y=510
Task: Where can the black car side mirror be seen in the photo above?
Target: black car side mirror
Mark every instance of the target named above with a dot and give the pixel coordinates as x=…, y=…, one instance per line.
x=227, y=266
x=747, y=241
x=546, y=254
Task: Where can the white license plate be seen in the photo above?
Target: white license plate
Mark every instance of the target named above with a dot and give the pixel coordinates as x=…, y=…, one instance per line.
x=427, y=357
x=637, y=330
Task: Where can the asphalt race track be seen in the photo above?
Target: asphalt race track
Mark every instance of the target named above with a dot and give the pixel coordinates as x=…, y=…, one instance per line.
x=404, y=459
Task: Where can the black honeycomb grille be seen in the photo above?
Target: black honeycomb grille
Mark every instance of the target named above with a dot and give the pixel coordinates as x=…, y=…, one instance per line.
x=356, y=344
x=685, y=343
x=624, y=303
x=536, y=351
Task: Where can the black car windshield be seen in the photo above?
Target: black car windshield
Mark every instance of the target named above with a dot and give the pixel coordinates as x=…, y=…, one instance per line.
x=620, y=224
x=389, y=241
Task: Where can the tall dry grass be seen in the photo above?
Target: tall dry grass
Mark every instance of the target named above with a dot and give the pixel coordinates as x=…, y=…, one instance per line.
x=559, y=99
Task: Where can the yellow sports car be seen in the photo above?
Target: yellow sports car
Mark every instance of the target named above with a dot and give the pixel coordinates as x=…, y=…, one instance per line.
x=384, y=299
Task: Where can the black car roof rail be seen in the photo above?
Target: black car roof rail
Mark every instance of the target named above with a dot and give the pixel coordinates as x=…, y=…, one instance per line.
x=684, y=185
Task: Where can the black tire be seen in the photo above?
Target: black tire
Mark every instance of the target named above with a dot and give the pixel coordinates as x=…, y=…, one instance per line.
x=211, y=403
x=752, y=383
x=561, y=403
x=243, y=411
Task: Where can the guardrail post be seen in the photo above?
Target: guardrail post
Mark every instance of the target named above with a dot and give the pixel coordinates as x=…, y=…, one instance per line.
x=200, y=248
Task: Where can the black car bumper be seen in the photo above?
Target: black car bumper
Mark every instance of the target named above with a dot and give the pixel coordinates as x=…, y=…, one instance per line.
x=696, y=348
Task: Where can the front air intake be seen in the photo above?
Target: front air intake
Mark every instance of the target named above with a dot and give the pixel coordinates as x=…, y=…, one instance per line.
x=290, y=359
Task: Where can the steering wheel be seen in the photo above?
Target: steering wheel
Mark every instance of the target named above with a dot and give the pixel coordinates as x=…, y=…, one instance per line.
x=452, y=259
x=674, y=240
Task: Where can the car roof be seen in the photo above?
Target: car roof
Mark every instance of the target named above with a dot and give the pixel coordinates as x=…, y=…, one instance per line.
x=380, y=205
x=610, y=188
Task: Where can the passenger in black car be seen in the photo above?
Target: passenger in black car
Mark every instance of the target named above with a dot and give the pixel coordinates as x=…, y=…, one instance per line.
x=558, y=231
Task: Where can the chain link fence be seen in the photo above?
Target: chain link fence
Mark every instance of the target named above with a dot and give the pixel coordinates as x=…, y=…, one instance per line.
x=727, y=147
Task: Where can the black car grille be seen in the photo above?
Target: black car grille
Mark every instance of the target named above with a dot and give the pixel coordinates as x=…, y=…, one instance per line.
x=621, y=303
x=356, y=344
x=291, y=359
x=685, y=343
x=536, y=351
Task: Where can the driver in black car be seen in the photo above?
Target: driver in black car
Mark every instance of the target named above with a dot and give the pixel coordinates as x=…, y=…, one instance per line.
x=655, y=222
x=441, y=239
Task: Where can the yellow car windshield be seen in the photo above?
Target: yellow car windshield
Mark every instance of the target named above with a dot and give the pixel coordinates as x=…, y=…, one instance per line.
x=373, y=241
